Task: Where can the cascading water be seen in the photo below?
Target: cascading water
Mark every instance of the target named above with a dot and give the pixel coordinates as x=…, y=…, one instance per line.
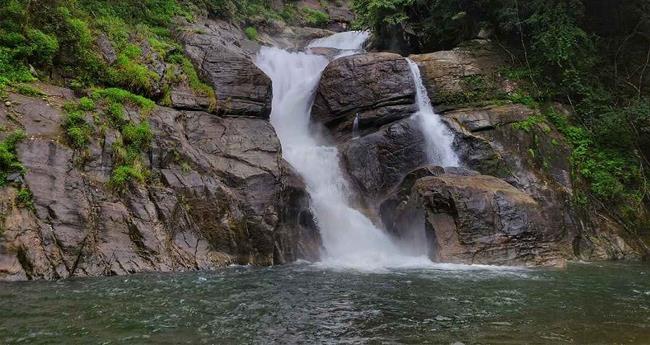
x=437, y=137
x=349, y=238
x=355, y=127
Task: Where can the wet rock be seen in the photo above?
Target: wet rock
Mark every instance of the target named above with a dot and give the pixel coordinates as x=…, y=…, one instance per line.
x=377, y=162
x=378, y=86
x=472, y=219
x=223, y=57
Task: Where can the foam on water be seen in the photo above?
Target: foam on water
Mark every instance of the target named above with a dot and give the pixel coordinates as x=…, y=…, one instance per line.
x=350, y=40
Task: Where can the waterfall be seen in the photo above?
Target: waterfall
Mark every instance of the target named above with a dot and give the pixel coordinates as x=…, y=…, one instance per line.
x=355, y=127
x=437, y=137
x=350, y=239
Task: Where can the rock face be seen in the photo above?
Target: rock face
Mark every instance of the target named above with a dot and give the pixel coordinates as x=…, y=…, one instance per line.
x=472, y=219
x=220, y=194
x=465, y=74
x=378, y=86
x=223, y=57
x=515, y=143
x=378, y=161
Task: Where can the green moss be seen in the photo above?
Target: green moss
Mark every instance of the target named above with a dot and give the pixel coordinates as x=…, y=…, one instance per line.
x=9, y=162
x=197, y=85
x=122, y=96
x=315, y=17
x=25, y=199
x=125, y=174
x=86, y=104
x=137, y=136
x=251, y=33
x=28, y=90
x=115, y=112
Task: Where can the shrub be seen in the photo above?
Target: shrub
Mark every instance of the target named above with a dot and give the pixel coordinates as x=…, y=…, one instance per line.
x=137, y=137
x=9, y=162
x=125, y=174
x=86, y=104
x=316, y=17
x=76, y=128
x=122, y=96
x=251, y=33
x=25, y=198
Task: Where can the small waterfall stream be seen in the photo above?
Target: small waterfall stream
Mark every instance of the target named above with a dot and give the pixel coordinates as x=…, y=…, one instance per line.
x=438, y=139
x=350, y=239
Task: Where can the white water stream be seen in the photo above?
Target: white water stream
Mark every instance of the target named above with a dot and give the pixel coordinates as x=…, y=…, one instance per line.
x=437, y=137
x=350, y=239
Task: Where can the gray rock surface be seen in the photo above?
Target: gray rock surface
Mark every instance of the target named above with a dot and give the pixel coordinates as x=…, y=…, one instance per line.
x=378, y=86
x=220, y=193
x=223, y=57
x=378, y=161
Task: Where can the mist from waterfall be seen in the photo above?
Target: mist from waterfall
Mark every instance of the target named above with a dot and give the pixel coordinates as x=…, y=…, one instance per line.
x=350, y=239
x=438, y=138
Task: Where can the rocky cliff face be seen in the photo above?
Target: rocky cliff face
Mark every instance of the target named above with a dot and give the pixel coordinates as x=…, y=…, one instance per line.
x=221, y=194
x=514, y=205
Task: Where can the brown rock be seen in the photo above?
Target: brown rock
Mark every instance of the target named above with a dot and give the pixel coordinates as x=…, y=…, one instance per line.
x=458, y=75
x=473, y=219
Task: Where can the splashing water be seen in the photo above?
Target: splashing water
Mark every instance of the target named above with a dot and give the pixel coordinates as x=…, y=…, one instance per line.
x=350, y=40
x=349, y=238
x=437, y=137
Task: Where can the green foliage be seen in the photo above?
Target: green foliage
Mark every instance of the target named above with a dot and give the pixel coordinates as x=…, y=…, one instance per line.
x=25, y=199
x=127, y=154
x=76, y=128
x=86, y=104
x=121, y=96
x=137, y=137
x=251, y=33
x=125, y=174
x=116, y=114
x=529, y=123
x=315, y=17
x=27, y=90
x=9, y=162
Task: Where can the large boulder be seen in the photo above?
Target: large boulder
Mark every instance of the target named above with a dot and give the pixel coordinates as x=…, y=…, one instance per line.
x=223, y=56
x=465, y=74
x=378, y=86
x=473, y=219
x=516, y=143
x=377, y=162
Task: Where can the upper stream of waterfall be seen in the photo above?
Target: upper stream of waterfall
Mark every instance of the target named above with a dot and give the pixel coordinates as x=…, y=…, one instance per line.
x=438, y=139
x=349, y=238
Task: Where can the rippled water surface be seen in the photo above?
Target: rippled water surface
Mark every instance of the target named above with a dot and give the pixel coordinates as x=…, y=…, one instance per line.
x=303, y=304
